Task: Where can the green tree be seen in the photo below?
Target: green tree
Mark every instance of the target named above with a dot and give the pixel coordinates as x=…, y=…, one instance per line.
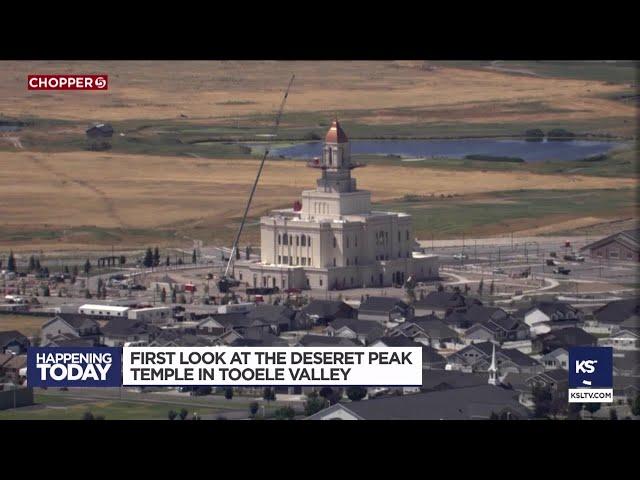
x=253, y=408
x=87, y=267
x=75, y=271
x=228, y=393
x=542, y=401
x=635, y=408
x=148, y=258
x=32, y=263
x=356, y=394
x=314, y=404
x=194, y=257
x=156, y=257
x=168, y=261
x=172, y=415
x=494, y=416
x=481, y=286
x=592, y=407
x=163, y=295
x=269, y=394
x=183, y=414
x=11, y=262
x=285, y=413
x=174, y=295
x=87, y=416
x=492, y=288
x=613, y=414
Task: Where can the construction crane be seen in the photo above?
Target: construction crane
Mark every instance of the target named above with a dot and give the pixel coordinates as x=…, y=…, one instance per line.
x=227, y=281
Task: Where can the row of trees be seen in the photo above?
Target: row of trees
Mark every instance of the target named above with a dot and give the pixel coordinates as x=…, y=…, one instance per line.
x=152, y=258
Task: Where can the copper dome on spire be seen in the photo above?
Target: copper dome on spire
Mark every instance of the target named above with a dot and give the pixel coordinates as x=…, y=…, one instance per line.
x=336, y=134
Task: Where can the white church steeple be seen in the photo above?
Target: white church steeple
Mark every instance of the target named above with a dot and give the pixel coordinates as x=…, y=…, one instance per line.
x=493, y=368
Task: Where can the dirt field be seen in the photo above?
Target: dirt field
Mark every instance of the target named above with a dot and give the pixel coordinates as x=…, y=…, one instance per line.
x=392, y=92
x=130, y=192
x=27, y=325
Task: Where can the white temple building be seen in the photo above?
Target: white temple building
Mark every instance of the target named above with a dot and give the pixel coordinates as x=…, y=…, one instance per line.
x=333, y=239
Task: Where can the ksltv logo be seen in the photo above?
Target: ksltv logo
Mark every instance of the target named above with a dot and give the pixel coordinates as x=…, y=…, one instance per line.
x=590, y=375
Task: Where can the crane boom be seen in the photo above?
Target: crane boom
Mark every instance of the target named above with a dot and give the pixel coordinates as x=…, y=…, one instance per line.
x=255, y=183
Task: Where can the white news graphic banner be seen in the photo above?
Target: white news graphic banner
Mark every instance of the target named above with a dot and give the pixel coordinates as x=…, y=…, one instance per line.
x=273, y=366
x=591, y=395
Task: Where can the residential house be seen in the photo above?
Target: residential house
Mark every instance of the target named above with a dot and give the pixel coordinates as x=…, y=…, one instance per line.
x=556, y=359
x=322, y=312
x=431, y=359
x=12, y=341
x=182, y=338
x=610, y=316
x=564, y=338
x=428, y=330
x=625, y=389
x=12, y=367
x=626, y=364
x=364, y=331
x=384, y=310
x=279, y=317
x=556, y=380
x=471, y=403
x=622, y=339
x=477, y=358
x=119, y=331
x=441, y=303
x=499, y=328
x=70, y=324
x=542, y=317
x=310, y=340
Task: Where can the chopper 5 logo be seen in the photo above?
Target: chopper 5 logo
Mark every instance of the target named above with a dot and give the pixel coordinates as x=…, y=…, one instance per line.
x=590, y=375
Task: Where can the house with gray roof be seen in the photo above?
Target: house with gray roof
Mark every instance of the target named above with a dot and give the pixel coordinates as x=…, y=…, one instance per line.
x=118, y=331
x=470, y=403
x=384, y=310
x=12, y=341
x=563, y=338
x=310, y=340
x=322, y=312
x=441, y=303
x=613, y=314
x=70, y=324
x=364, y=331
x=428, y=330
x=477, y=358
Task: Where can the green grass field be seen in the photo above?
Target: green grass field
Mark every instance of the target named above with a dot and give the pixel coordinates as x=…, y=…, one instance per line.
x=59, y=407
x=448, y=217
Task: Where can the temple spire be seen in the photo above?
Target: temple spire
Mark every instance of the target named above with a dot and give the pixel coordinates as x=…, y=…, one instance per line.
x=493, y=368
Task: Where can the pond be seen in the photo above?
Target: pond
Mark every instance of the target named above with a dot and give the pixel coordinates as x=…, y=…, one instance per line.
x=414, y=150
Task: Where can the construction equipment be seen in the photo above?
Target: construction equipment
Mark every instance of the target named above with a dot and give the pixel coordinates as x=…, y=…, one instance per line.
x=227, y=281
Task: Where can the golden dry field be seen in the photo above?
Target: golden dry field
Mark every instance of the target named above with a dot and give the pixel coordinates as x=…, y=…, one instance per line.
x=217, y=90
x=62, y=190
x=173, y=174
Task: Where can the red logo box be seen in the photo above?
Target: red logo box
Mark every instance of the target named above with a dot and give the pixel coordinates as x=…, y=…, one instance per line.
x=67, y=82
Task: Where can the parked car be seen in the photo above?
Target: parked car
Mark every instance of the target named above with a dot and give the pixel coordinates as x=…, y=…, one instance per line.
x=551, y=262
x=574, y=258
x=561, y=270
x=460, y=256
x=498, y=271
